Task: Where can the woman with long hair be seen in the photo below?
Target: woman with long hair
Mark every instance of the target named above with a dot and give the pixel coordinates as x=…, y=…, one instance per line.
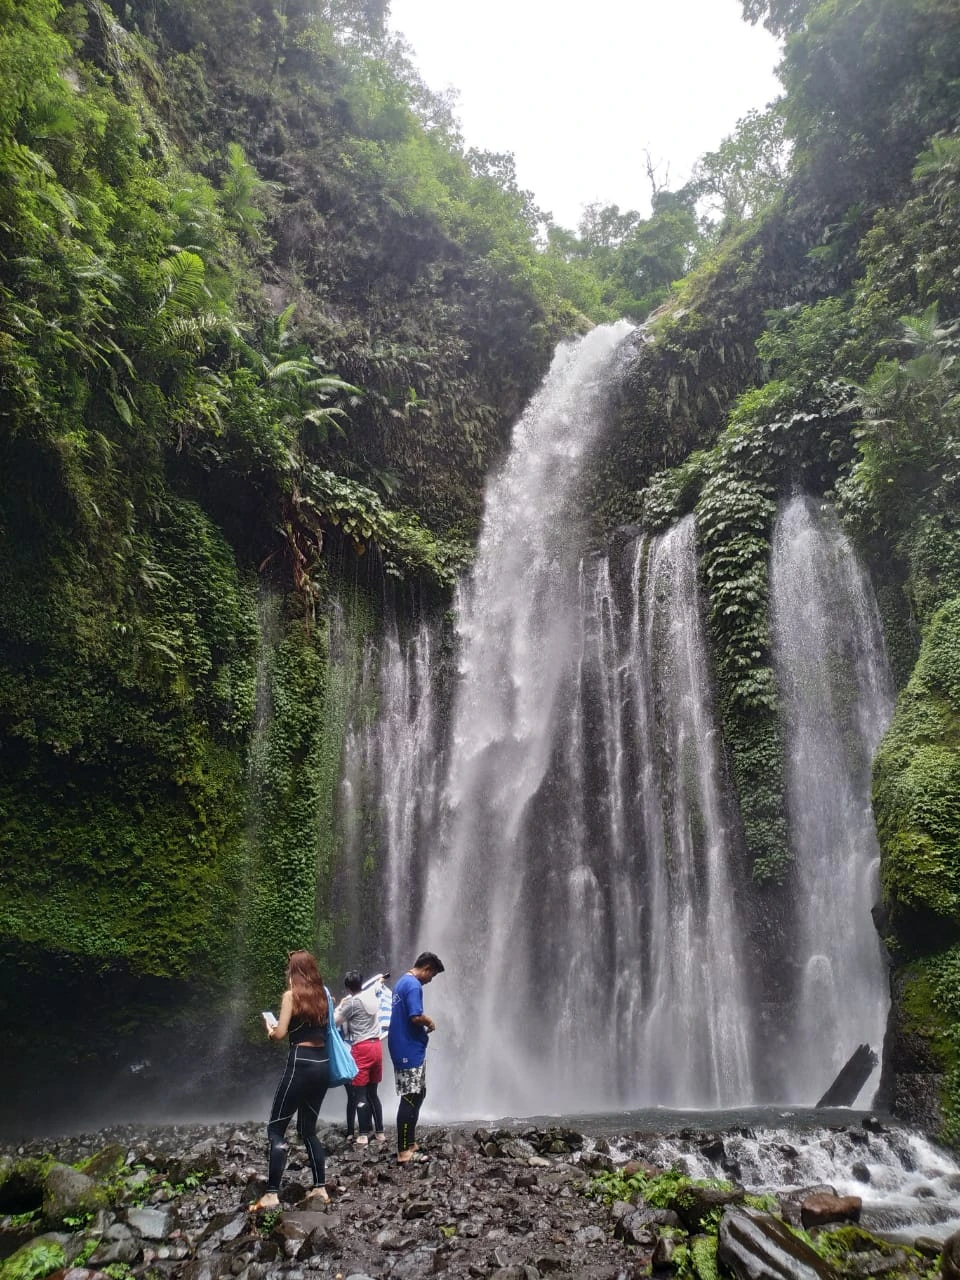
x=304, y=1016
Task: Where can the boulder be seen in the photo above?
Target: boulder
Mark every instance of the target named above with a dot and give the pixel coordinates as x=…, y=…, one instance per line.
x=21, y=1184
x=107, y=1162
x=153, y=1224
x=820, y=1208
x=950, y=1257
x=117, y=1244
x=694, y=1204
x=68, y=1193
x=757, y=1246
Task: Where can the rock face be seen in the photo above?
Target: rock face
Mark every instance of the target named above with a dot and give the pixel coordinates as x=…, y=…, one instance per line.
x=756, y=1246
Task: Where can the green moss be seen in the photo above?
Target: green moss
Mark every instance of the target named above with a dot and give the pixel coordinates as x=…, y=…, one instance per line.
x=121, y=806
x=916, y=791
x=310, y=673
x=931, y=1009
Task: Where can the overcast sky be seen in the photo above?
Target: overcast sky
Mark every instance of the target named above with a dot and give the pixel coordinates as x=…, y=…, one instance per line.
x=578, y=91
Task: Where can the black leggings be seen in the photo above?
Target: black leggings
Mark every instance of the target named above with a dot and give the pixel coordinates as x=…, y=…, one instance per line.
x=363, y=1101
x=302, y=1089
x=407, y=1113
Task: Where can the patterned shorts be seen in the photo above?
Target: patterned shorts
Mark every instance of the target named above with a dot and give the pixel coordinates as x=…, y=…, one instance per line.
x=412, y=1080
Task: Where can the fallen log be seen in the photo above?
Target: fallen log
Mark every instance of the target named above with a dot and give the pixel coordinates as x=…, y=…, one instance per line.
x=853, y=1075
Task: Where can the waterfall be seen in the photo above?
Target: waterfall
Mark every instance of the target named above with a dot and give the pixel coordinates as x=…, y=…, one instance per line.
x=837, y=698
x=495, y=867
x=388, y=795
x=697, y=1014
x=558, y=824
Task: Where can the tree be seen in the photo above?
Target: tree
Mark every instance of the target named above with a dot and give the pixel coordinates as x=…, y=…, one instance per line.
x=779, y=16
x=748, y=169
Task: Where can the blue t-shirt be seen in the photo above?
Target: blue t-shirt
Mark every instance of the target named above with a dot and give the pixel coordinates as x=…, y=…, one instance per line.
x=407, y=1043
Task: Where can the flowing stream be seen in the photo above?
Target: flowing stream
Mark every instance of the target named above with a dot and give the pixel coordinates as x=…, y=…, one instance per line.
x=565, y=835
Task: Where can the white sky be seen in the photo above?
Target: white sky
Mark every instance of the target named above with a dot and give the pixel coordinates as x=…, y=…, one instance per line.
x=578, y=91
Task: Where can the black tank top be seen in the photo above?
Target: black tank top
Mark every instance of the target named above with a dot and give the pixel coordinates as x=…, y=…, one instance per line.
x=302, y=1031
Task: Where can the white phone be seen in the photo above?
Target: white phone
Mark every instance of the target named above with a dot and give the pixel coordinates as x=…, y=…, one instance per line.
x=269, y=1018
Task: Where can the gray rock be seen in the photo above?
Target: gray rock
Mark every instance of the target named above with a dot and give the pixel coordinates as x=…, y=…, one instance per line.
x=929, y=1247
x=517, y=1149
x=117, y=1244
x=756, y=1246
x=950, y=1261
x=663, y=1252
x=417, y=1208
x=69, y=1193
x=153, y=1224
x=589, y=1235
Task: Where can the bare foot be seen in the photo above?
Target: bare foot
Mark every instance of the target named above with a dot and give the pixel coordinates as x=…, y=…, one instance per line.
x=318, y=1195
x=269, y=1200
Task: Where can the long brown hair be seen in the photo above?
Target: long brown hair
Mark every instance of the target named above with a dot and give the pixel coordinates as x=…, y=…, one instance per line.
x=306, y=984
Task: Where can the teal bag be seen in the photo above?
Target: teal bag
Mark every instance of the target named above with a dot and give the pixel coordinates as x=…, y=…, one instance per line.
x=342, y=1066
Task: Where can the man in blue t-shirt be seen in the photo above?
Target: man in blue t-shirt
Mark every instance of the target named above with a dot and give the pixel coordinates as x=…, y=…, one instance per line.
x=407, y=1041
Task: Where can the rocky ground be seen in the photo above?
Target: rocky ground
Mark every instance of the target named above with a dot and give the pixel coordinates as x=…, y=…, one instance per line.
x=171, y=1203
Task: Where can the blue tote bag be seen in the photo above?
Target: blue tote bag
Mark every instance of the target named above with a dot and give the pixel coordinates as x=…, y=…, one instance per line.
x=342, y=1066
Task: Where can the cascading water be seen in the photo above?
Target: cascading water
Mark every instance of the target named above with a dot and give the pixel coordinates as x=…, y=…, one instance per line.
x=389, y=789
x=837, y=698
x=696, y=1012
x=517, y=634
x=566, y=839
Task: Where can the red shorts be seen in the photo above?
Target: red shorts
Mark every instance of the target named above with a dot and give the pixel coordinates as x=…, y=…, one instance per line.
x=368, y=1055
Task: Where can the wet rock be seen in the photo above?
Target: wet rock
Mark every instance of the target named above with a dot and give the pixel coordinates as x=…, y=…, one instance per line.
x=875, y=1262
x=860, y=1172
x=790, y=1203
x=596, y=1160
x=756, y=1246
x=818, y=1209
x=221, y=1229
x=713, y=1149
x=633, y=1167
x=929, y=1247
x=950, y=1260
